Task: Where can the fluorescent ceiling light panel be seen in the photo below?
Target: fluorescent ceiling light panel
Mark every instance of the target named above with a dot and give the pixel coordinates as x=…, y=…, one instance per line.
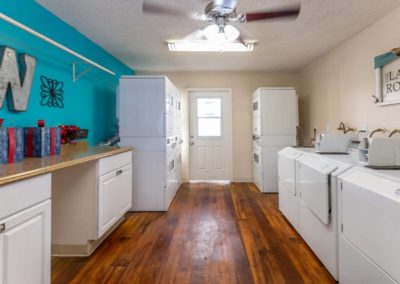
x=210, y=46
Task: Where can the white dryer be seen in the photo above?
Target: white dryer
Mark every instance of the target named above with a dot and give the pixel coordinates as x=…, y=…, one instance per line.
x=369, y=236
x=288, y=195
x=317, y=185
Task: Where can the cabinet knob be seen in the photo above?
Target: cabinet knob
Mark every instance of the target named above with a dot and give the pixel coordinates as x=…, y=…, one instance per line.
x=119, y=172
x=2, y=228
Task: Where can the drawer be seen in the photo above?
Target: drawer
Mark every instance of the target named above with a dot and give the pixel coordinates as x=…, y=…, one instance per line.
x=114, y=162
x=20, y=195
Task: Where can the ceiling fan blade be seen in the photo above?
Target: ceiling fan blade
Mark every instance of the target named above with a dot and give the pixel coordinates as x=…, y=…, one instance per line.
x=163, y=10
x=293, y=11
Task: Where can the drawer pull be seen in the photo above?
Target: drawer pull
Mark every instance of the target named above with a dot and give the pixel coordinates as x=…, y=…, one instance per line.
x=119, y=172
x=2, y=228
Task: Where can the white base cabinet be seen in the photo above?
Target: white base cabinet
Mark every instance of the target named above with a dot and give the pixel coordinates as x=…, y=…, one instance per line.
x=114, y=190
x=25, y=235
x=25, y=246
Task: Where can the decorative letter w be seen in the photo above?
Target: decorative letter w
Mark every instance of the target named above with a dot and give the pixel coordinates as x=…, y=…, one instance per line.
x=19, y=82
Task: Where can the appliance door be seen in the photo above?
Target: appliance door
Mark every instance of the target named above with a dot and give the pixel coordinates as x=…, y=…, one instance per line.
x=314, y=187
x=279, y=112
x=370, y=210
x=288, y=200
x=287, y=169
x=257, y=167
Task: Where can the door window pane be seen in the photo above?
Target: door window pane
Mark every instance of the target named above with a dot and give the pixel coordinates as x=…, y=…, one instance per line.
x=209, y=107
x=209, y=127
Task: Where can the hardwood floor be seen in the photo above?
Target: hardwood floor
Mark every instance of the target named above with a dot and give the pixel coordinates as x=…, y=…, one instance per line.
x=211, y=234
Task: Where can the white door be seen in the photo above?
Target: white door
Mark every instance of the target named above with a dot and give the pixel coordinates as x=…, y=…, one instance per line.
x=210, y=134
x=25, y=246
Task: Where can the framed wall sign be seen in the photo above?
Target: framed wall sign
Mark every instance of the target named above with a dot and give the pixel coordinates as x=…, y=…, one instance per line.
x=387, y=77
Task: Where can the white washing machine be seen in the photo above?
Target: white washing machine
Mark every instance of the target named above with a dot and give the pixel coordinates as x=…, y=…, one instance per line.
x=369, y=236
x=317, y=184
x=288, y=195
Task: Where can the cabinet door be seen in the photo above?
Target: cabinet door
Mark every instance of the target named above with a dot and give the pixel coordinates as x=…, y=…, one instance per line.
x=123, y=195
x=107, y=213
x=25, y=246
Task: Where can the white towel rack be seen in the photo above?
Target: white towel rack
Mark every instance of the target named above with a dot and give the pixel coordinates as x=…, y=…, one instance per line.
x=52, y=42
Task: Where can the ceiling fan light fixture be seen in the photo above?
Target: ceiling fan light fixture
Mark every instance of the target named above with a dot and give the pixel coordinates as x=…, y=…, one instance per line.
x=209, y=46
x=212, y=33
x=231, y=33
x=216, y=34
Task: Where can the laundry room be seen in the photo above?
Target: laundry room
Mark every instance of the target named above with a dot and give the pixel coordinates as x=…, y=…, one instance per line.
x=199, y=141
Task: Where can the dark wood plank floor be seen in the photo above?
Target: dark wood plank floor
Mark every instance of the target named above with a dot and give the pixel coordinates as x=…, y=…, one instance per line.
x=211, y=234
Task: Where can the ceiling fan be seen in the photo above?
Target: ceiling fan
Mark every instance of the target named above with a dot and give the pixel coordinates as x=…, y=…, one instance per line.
x=220, y=13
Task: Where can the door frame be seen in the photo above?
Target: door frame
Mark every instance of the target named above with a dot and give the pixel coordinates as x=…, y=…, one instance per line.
x=230, y=125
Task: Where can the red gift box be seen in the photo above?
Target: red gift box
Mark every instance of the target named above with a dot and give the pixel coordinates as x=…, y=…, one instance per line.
x=15, y=145
x=11, y=145
x=29, y=140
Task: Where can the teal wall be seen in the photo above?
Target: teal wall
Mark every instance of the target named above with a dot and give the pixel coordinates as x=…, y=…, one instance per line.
x=91, y=101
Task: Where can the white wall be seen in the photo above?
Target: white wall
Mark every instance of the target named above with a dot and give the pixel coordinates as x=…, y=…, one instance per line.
x=242, y=84
x=339, y=86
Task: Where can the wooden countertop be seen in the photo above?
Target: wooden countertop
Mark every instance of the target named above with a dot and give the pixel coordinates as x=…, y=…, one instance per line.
x=70, y=155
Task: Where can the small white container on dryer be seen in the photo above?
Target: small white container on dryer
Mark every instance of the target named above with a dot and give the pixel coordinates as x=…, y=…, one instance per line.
x=380, y=153
x=333, y=143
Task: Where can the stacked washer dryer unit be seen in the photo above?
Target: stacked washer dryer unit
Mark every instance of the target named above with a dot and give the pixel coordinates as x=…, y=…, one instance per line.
x=318, y=186
x=150, y=121
x=369, y=213
x=275, y=120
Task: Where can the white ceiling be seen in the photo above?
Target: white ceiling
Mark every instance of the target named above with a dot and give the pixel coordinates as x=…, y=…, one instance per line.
x=139, y=40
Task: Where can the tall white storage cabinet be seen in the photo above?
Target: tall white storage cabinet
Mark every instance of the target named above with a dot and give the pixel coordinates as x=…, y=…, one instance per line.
x=150, y=121
x=275, y=120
